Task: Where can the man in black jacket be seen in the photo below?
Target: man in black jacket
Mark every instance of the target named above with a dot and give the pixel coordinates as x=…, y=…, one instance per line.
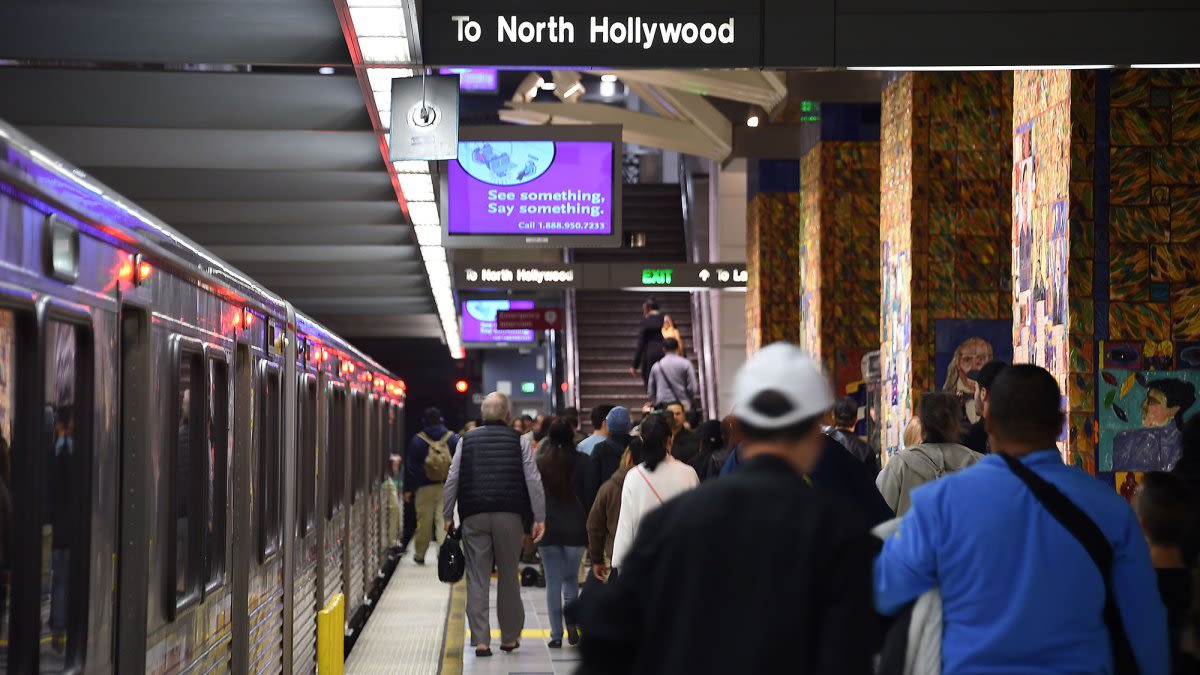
x=977, y=436
x=606, y=455
x=789, y=586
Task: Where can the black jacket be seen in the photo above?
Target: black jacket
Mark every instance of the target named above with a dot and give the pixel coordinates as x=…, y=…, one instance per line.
x=977, y=438
x=566, y=521
x=861, y=450
x=492, y=473
x=841, y=473
x=606, y=457
x=649, y=345
x=788, y=589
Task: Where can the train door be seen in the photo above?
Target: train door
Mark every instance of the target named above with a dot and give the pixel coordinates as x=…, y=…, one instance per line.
x=304, y=619
x=356, y=516
x=371, y=487
x=333, y=577
x=243, y=544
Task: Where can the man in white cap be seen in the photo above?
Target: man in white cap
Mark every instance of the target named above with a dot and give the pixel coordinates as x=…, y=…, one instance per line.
x=787, y=586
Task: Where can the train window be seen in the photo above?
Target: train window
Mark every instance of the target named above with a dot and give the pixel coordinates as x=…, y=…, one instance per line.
x=336, y=455
x=61, y=249
x=306, y=467
x=216, y=492
x=189, y=466
x=65, y=529
x=268, y=461
x=356, y=446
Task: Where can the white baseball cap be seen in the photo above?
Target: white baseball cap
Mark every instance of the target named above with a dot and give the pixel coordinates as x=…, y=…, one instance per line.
x=784, y=369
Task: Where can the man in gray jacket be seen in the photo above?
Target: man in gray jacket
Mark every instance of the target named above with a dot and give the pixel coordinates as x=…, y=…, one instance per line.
x=673, y=378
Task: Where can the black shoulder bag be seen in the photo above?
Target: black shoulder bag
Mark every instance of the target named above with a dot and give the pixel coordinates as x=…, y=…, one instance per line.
x=1084, y=529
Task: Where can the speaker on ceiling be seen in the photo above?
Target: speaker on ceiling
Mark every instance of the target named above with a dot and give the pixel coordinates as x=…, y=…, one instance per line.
x=424, y=118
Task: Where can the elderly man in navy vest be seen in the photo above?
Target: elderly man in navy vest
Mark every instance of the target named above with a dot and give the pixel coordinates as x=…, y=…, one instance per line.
x=496, y=485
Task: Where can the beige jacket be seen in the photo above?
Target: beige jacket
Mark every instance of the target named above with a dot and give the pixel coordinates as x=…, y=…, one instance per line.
x=916, y=466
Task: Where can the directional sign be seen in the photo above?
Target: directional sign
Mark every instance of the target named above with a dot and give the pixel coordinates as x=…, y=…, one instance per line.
x=545, y=318
x=677, y=276
x=657, y=276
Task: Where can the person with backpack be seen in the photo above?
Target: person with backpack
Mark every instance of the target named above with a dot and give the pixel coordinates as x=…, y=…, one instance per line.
x=938, y=454
x=713, y=451
x=1041, y=568
x=426, y=467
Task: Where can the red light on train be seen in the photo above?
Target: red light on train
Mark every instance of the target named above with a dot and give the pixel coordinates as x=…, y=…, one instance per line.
x=237, y=320
x=144, y=271
x=461, y=386
x=126, y=272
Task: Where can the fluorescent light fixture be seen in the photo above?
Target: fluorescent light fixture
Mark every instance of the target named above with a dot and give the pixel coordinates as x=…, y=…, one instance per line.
x=944, y=69
x=411, y=166
x=381, y=78
x=752, y=121
x=428, y=235
x=608, y=78
x=325, y=70
x=437, y=268
x=424, y=213
x=433, y=254
x=392, y=49
x=608, y=89
x=378, y=21
x=1165, y=66
x=417, y=187
x=547, y=86
x=374, y=3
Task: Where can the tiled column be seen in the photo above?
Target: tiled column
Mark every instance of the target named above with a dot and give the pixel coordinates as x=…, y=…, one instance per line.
x=772, y=254
x=944, y=236
x=839, y=256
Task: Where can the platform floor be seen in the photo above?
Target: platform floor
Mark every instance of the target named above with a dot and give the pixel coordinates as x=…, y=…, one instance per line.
x=419, y=629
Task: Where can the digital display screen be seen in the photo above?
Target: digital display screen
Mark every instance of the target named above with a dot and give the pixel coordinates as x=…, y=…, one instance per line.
x=479, y=321
x=486, y=80
x=531, y=188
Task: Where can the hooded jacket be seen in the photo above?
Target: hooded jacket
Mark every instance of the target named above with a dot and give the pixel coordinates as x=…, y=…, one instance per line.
x=919, y=465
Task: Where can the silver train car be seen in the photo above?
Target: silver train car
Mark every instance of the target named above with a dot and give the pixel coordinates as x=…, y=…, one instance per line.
x=189, y=468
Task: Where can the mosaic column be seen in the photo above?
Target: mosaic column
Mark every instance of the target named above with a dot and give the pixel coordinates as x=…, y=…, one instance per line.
x=839, y=257
x=946, y=307
x=772, y=254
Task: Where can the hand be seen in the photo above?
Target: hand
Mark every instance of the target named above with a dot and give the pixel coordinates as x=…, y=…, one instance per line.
x=633, y=371
x=408, y=497
x=449, y=526
x=600, y=571
x=539, y=529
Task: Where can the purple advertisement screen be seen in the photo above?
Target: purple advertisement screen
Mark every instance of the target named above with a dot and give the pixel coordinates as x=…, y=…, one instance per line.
x=531, y=188
x=474, y=79
x=479, y=321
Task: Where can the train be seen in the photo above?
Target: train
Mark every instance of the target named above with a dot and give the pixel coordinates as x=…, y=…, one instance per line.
x=190, y=468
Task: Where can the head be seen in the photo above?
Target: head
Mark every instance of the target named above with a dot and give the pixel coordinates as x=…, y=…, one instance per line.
x=557, y=463
x=712, y=437
x=676, y=416
x=599, y=413
x=656, y=440
x=432, y=417
x=845, y=413
x=571, y=416
x=471, y=424
x=1024, y=411
x=670, y=346
x=1164, y=509
x=649, y=306
x=633, y=453
x=983, y=379
x=940, y=415
x=1167, y=400
x=973, y=353
x=526, y=423
x=617, y=421
x=668, y=323
x=913, y=432
x=495, y=408
x=780, y=397
x=543, y=430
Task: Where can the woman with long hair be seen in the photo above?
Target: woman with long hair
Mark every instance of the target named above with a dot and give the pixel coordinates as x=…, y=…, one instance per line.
x=670, y=331
x=562, y=469
x=938, y=454
x=650, y=484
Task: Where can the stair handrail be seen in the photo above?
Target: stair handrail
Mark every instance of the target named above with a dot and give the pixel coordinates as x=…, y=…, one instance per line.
x=700, y=300
x=570, y=341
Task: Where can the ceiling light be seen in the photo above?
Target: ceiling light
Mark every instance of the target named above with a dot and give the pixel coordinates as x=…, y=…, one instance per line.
x=433, y=253
x=752, y=121
x=378, y=21
x=568, y=85
x=973, y=68
x=374, y=3
x=437, y=268
x=325, y=70
x=411, y=166
x=608, y=78
x=608, y=89
x=381, y=78
x=547, y=86
x=424, y=213
x=428, y=235
x=417, y=187
x=1165, y=66
x=393, y=49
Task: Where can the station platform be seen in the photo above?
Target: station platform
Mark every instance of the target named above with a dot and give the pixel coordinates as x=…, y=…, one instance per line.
x=419, y=628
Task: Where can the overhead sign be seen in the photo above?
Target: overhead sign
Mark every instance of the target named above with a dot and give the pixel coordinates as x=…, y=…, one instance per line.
x=700, y=34
x=543, y=318
x=605, y=276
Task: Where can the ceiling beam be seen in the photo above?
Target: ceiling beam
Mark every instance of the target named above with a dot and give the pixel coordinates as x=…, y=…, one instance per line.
x=407, y=325
x=267, y=270
x=196, y=215
x=749, y=86
x=352, y=304
x=244, y=185
x=318, y=279
x=360, y=255
x=227, y=234
x=715, y=126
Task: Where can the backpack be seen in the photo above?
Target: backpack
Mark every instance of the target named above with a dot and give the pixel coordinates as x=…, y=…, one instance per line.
x=437, y=460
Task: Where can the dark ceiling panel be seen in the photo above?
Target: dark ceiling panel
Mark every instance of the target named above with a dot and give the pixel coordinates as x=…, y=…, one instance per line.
x=332, y=235
x=235, y=184
x=194, y=215
x=289, y=253
x=265, y=270
x=370, y=325
x=317, y=281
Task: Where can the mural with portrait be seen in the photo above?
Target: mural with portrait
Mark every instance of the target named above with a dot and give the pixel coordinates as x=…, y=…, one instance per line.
x=1141, y=416
x=963, y=345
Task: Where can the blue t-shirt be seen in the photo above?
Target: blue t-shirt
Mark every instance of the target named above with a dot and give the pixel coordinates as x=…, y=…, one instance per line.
x=588, y=444
x=1019, y=593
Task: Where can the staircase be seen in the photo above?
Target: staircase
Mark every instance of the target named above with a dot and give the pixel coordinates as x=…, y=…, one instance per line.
x=608, y=321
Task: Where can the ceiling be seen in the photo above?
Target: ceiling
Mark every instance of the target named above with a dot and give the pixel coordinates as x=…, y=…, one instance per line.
x=271, y=166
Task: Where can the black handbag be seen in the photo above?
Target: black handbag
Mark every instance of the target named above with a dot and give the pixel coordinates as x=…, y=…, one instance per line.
x=452, y=564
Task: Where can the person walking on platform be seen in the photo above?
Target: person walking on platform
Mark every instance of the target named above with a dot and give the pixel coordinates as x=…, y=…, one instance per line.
x=650, y=340
x=651, y=484
x=976, y=437
x=606, y=512
x=713, y=451
x=562, y=469
x=845, y=416
x=938, y=455
x=606, y=455
x=787, y=589
x=673, y=378
x=426, y=467
x=496, y=486
x=1041, y=567
x=599, y=430
x=685, y=442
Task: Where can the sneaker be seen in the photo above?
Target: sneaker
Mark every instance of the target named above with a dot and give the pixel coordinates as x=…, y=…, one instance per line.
x=573, y=635
x=554, y=644
x=419, y=561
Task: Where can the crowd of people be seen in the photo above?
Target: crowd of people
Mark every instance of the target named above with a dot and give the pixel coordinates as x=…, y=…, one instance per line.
x=774, y=539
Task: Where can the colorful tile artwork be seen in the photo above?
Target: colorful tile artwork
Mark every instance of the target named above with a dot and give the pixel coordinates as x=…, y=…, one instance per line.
x=772, y=261
x=1141, y=415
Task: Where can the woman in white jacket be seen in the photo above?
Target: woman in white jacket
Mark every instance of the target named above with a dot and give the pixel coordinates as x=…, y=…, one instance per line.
x=938, y=454
x=649, y=484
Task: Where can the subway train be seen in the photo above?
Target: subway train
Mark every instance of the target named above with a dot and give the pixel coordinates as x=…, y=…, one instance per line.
x=189, y=468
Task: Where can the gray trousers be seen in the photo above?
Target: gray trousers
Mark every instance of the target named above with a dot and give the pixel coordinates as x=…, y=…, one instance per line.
x=488, y=537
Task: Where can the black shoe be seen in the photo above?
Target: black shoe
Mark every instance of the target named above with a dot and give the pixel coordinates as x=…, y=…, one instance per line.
x=482, y=653
x=419, y=561
x=573, y=635
x=508, y=649
x=554, y=644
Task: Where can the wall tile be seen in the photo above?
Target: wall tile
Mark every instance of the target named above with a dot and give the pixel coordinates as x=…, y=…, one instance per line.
x=1129, y=175
x=1185, y=307
x=1185, y=213
x=1175, y=165
x=1129, y=273
x=1140, y=126
x=1139, y=321
x=1175, y=262
x=1143, y=224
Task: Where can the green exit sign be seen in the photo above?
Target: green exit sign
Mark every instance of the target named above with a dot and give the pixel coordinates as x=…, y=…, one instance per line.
x=656, y=277
x=810, y=111
x=528, y=387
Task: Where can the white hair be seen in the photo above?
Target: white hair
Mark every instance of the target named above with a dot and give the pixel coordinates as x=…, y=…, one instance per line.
x=494, y=408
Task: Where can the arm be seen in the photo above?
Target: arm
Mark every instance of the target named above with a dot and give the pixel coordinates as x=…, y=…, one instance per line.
x=450, y=493
x=890, y=481
x=1136, y=589
x=907, y=566
x=652, y=384
x=414, y=462
x=692, y=385
x=597, y=526
x=627, y=521
x=533, y=482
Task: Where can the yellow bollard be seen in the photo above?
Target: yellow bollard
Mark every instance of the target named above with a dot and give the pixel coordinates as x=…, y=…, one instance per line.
x=331, y=636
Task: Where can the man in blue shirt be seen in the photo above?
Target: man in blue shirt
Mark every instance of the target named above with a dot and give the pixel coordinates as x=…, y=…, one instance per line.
x=1020, y=594
x=599, y=430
